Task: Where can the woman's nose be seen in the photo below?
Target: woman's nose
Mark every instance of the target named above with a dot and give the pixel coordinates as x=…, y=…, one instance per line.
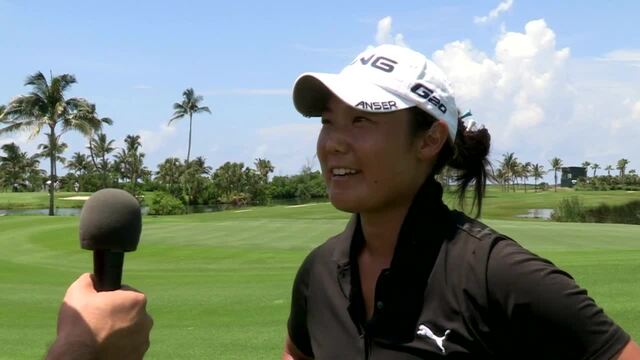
x=336, y=142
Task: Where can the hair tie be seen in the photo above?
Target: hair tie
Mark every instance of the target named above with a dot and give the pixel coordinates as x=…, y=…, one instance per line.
x=470, y=124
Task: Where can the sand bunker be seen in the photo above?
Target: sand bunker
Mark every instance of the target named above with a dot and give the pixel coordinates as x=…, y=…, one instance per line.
x=75, y=198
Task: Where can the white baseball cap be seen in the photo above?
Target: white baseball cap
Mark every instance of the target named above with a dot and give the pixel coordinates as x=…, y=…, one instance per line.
x=382, y=79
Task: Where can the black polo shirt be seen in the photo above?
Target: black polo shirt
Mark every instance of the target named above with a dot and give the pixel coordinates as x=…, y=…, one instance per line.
x=455, y=289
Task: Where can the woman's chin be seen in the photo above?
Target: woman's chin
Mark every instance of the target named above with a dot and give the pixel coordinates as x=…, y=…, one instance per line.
x=345, y=203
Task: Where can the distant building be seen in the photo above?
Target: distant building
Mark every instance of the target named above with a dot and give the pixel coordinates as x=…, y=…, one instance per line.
x=571, y=174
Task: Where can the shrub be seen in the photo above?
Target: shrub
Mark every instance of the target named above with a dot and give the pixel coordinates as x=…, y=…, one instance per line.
x=163, y=203
x=573, y=210
x=569, y=210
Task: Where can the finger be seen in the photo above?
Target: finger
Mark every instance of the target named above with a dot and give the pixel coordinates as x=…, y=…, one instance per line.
x=83, y=284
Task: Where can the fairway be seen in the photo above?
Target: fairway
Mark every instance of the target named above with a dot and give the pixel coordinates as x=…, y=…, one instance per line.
x=219, y=283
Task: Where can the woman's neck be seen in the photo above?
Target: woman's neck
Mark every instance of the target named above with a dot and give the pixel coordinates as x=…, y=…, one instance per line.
x=381, y=230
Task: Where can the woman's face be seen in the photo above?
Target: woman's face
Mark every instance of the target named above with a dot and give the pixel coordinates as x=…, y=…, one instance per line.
x=369, y=161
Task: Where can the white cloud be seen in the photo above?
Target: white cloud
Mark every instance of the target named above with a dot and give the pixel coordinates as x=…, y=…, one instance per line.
x=539, y=102
x=154, y=140
x=20, y=138
x=516, y=84
x=384, y=34
x=635, y=111
x=493, y=14
x=622, y=55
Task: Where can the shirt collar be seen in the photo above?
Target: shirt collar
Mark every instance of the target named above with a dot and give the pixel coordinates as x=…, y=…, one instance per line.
x=401, y=290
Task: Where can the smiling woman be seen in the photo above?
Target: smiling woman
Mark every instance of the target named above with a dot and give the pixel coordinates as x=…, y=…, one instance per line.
x=409, y=278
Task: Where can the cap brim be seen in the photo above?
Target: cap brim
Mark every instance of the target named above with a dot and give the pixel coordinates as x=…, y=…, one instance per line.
x=311, y=92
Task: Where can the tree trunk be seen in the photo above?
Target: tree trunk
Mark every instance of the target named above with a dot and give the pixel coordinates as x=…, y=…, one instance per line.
x=189, y=148
x=555, y=180
x=52, y=174
x=93, y=158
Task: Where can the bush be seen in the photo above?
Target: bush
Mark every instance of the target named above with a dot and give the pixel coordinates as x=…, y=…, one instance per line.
x=573, y=210
x=163, y=203
x=569, y=210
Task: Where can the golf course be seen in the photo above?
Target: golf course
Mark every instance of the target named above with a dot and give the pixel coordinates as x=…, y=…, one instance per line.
x=219, y=283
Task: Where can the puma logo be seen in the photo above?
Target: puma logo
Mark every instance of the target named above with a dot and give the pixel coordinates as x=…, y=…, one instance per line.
x=423, y=330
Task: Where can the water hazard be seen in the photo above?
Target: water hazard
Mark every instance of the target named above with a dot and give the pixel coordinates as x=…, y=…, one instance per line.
x=544, y=214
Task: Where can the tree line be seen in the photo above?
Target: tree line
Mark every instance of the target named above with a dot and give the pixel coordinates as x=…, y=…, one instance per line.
x=511, y=172
x=45, y=109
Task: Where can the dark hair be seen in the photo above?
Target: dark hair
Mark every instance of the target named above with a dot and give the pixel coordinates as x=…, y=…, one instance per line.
x=467, y=156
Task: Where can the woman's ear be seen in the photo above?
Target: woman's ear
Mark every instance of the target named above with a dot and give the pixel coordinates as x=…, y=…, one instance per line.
x=431, y=142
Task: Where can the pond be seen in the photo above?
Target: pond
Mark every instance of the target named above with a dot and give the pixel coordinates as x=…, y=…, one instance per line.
x=544, y=214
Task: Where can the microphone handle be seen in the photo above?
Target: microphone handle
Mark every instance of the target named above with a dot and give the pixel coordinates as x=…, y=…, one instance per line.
x=107, y=268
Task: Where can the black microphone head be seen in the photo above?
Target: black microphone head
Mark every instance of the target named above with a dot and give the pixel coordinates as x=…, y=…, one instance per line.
x=110, y=220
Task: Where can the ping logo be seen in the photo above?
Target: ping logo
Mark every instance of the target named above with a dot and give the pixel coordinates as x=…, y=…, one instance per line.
x=377, y=105
x=381, y=63
x=426, y=93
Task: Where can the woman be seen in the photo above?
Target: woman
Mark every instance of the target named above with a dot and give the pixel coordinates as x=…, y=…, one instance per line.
x=408, y=278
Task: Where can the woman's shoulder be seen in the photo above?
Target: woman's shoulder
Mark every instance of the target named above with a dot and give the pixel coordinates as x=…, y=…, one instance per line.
x=473, y=229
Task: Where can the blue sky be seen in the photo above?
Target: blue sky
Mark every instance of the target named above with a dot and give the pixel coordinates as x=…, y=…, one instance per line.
x=547, y=78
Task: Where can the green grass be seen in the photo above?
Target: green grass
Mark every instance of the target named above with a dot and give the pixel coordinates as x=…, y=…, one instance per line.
x=497, y=204
x=219, y=283
x=506, y=205
x=38, y=200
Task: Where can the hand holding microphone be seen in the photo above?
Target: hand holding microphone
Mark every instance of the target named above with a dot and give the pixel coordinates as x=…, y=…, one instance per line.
x=100, y=318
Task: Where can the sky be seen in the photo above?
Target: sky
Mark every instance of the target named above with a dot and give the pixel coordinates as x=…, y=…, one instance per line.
x=547, y=78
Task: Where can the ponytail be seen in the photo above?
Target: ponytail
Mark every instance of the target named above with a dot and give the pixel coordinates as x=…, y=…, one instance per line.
x=467, y=156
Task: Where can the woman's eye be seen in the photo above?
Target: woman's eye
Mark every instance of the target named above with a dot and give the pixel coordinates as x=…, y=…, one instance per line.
x=324, y=121
x=360, y=119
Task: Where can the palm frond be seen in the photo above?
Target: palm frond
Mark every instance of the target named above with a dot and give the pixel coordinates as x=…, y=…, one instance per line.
x=15, y=127
x=202, y=109
x=39, y=83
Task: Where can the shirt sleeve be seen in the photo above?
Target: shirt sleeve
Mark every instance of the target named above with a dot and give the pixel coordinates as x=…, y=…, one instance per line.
x=297, y=324
x=543, y=312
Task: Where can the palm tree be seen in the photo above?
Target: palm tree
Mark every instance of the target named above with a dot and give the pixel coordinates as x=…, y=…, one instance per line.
x=169, y=174
x=609, y=168
x=556, y=164
x=537, y=172
x=12, y=167
x=595, y=166
x=264, y=168
x=129, y=162
x=80, y=165
x=501, y=176
x=102, y=147
x=53, y=149
x=586, y=165
x=45, y=107
x=525, y=171
x=509, y=165
x=622, y=166
x=196, y=173
x=190, y=105
x=88, y=112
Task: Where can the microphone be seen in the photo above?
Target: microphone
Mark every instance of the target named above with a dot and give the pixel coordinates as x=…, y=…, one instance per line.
x=110, y=225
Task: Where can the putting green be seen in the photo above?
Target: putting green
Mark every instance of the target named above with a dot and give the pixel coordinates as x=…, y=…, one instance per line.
x=219, y=283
